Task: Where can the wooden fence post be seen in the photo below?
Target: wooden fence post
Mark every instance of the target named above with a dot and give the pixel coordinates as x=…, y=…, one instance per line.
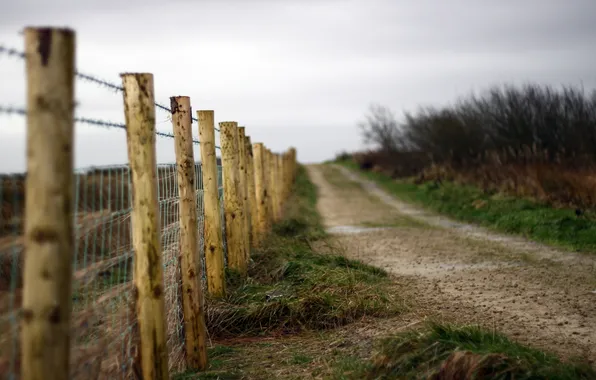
x=281, y=187
x=274, y=186
x=192, y=292
x=49, y=230
x=252, y=200
x=213, y=238
x=275, y=194
x=293, y=165
x=261, y=192
x=233, y=207
x=244, y=188
x=288, y=187
x=284, y=176
x=269, y=178
x=148, y=292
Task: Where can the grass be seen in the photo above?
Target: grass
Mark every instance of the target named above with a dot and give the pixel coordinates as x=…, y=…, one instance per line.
x=220, y=357
x=467, y=352
x=291, y=288
x=534, y=220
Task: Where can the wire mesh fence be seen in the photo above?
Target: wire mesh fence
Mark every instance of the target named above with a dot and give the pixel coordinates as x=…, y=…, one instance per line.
x=103, y=339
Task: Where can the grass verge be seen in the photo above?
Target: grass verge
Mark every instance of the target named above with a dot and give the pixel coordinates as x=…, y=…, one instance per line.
x=291, y=288
x=540, y=222
x=452, y=352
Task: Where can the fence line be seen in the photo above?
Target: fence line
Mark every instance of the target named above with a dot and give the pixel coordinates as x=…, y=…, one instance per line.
x=11, y=52
x=115, y=285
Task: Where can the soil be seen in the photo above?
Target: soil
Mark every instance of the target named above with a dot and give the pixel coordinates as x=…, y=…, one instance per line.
x=535, y=294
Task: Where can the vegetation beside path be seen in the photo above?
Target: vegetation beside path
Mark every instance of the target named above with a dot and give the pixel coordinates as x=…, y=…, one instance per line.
x=301, y=314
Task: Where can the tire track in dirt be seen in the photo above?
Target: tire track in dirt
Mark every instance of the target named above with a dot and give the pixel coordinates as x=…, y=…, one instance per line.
x=535, y=294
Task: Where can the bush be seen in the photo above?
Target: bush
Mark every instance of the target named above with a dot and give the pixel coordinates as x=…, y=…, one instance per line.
x=530, y=140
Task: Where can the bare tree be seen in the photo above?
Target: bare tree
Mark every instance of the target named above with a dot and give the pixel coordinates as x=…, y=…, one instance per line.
x=380, y=128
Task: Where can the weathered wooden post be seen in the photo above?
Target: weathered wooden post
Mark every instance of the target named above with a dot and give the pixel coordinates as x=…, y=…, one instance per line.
x=243, y=183
x=275, y=186
x=280, y=187
x=261, y=192
x=270, y=185
x=233, y=206
x=192, y=293
x=252, y=201
x=139, y=111
x=213, y=237
x=49, y=204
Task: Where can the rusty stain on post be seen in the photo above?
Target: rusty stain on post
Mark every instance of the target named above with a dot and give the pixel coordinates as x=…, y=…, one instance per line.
x=139, y=112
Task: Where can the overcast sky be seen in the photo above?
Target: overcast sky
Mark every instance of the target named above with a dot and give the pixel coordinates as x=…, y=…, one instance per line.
x=296, y=72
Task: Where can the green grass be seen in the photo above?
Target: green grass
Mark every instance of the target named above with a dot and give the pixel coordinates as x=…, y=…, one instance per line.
x=299, y=359
x=291, y=288
x=537, y=221
x=348, y=367
x=220, y=358
x=452, y=352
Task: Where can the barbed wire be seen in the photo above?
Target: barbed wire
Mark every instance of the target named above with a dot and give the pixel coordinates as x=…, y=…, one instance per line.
x=9, y=110
x=11, y=52
x=98, y=81
x=12, y=110
x=85, y=77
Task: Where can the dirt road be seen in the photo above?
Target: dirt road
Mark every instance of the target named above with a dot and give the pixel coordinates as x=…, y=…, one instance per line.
x=534, y=294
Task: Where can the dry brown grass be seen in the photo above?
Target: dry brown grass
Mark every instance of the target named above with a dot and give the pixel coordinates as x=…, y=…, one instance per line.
x=441, y=351
x=562, y=183
x=466, y=365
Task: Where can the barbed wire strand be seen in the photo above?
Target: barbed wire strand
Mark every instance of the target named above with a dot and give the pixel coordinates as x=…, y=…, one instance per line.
x=89, y=78
x=7, y=110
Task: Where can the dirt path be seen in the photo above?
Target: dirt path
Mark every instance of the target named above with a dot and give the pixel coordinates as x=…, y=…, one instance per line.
x=535, y=294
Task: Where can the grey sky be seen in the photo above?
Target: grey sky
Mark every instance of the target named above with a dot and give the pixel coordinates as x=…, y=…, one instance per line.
x=296, y=72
